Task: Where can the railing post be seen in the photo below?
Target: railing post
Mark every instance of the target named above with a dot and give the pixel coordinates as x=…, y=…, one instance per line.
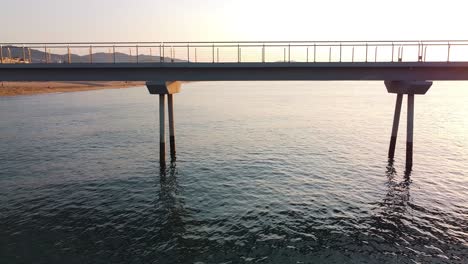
x=91, y=54
x=422, y=52
x=340, y=51
x=24, y=55
x=1, y=54
x=329, y=55
x=367, y=48
x=399, y=54
x=163, y=51
x=30, y=57
x=217, y=55
x=137, y=55
x=425, y=52
x=263, y=53
x=393, y=50
x=284, y=55
x=420, y=58
x=238, y=53
x=352, y=55
x=113, y=51
x=196, y=59
x=448, y=53
x=289, y=52
x=45, y=54
x=69, y=55
x=419, y=51
x=375, y=56
x=315, y=52
x=160, y=53
x=172, y=54
x=188, y=53
x=212, y=53
x=307, y=54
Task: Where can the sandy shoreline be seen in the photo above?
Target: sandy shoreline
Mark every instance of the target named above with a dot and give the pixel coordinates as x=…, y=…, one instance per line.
x=30, y=88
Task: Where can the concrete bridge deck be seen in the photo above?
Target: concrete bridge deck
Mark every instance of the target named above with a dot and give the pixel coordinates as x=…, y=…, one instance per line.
x=319, y=71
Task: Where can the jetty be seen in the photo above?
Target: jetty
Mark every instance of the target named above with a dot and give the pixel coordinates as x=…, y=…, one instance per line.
x=404, y=67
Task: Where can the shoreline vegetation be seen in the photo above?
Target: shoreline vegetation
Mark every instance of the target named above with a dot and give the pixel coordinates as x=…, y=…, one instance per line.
x=30, y=88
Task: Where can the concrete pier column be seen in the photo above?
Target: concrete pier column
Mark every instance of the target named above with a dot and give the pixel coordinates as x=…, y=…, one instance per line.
x=409, y=133
x=396, y=122
x=410, y=88
x=162, y=134
x=163, y=88
x=170, y=108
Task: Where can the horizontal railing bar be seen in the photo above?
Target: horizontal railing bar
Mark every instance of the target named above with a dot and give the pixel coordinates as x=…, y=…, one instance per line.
x=233, y=42
x=235, y=46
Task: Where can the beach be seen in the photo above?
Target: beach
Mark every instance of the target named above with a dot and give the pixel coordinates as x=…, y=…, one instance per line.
x=29, y=88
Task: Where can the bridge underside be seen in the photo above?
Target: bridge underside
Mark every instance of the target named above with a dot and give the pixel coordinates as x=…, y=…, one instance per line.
x=405, y=71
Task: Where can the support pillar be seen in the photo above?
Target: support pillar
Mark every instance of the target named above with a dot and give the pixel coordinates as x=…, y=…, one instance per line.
x=170, y=108
x=163, y=88
x=162, y=134
x=396, y=122
x=409, y=133
x=410, y=88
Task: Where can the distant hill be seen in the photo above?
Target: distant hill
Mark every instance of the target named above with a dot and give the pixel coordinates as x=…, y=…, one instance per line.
x=38, y=56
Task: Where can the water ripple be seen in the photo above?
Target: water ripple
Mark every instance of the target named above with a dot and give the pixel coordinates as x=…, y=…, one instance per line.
x=258, y=180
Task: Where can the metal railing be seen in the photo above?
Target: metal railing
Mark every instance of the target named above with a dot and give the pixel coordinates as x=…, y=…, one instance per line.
x=236, y=52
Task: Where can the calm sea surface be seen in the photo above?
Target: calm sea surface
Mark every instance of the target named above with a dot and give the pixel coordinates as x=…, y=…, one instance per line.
x=267, y=172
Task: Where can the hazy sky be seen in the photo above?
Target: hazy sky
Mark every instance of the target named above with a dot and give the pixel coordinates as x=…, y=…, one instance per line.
x=197, y=20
